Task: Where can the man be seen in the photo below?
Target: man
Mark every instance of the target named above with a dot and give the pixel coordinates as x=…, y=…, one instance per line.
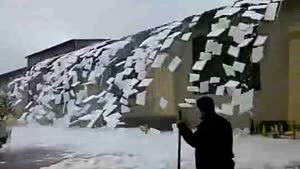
x=212, y=139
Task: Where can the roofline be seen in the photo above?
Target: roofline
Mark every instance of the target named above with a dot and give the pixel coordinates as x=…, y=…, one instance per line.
x=7, y=73
x=68, y=41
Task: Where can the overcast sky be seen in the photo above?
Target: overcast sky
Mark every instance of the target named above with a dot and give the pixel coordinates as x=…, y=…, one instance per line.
x=28, y=26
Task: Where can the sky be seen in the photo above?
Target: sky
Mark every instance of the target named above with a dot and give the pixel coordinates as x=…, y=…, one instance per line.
x=28, y=26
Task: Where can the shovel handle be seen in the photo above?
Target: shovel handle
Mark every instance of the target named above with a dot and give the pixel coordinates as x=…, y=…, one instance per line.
x=179, y=143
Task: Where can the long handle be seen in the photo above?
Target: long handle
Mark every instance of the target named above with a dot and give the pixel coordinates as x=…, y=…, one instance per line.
x=179, y=143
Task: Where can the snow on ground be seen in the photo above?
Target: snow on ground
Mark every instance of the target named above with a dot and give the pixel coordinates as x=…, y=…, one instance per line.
x=131, y=148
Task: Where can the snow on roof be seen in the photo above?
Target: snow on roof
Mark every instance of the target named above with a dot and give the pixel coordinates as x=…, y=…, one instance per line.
x=120, y=67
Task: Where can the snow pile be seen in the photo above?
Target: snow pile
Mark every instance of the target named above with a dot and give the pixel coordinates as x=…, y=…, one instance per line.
x=96, y=85
x=106, y=144
x=126, y=148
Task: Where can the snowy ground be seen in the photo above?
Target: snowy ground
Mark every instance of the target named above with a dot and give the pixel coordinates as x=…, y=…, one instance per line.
x=132, y=149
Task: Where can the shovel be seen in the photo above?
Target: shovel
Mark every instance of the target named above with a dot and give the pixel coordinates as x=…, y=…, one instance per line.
x=179, y=143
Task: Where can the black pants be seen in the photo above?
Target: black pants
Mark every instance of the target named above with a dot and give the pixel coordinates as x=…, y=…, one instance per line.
x=215, y=164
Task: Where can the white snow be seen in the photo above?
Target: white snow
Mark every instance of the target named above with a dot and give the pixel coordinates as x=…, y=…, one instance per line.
x=194, y=77
x=131, y=148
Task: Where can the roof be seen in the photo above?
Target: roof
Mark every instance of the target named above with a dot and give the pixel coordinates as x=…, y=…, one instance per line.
x=64, y=43
x=13, y=72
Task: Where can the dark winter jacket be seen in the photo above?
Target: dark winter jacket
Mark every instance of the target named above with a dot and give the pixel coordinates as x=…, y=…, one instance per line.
x=212, y=141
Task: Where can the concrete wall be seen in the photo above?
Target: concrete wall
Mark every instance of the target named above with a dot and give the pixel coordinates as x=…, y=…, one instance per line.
x=271, y=103
x=49, y=53
x=78, y=44
x=294, y=81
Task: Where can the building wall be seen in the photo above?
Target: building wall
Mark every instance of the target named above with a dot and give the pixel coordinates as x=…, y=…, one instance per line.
x=56, y=51
x=294, y=81
x=78, y=44
x=171, y=86
x=294, y=69
x=5, y=80
x=8, y=77
x=271, y=103
x=3, y=85
x=61, y=49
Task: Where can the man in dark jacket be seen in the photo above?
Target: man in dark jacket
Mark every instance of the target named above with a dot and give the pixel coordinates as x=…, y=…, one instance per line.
x=212, y=140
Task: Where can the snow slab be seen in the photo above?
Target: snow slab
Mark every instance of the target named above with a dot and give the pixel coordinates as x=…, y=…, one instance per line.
x=131, y=148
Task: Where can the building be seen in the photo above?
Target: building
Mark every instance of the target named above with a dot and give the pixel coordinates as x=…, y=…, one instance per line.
x=271, y=68
x=279, y=97
x=6, y=78
x=54, y=51
x=57, y=50
x=60, y=49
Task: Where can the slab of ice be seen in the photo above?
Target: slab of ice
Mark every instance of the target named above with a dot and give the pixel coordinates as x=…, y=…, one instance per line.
x=237, y=34
x=196, y=18
x=58, y=99
x=246, y=101
x=167, y=44
x=66, y=96
x=174, y=64
x=220, y=90
x=127, y=71
x=227, y=109
x=159, y=60
x=229, y=70
x=271, y=12
x=234, y=51
x=215, y=80
x=213, y=47
x=232, y=84
x=142, y=75
x=194, y=77
x=260, y=40
x=191, y=101
x=88, y=99
x=257, y=7
x=236, y=97
x=98, y=114
x=257, y=54
x=229, y=11
x=193, y=89
x=124, y=101
x=253, y=15
x=141, y=98
x=205, y=56
x=204, y=87
x=245, y=42
x=199, y=65
x=145, y=83
x=239, y=66
x=216, y=32
x=125, y=109
x=186, y=36
x=163, y=103
x=185, y=105
x=223, y=23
